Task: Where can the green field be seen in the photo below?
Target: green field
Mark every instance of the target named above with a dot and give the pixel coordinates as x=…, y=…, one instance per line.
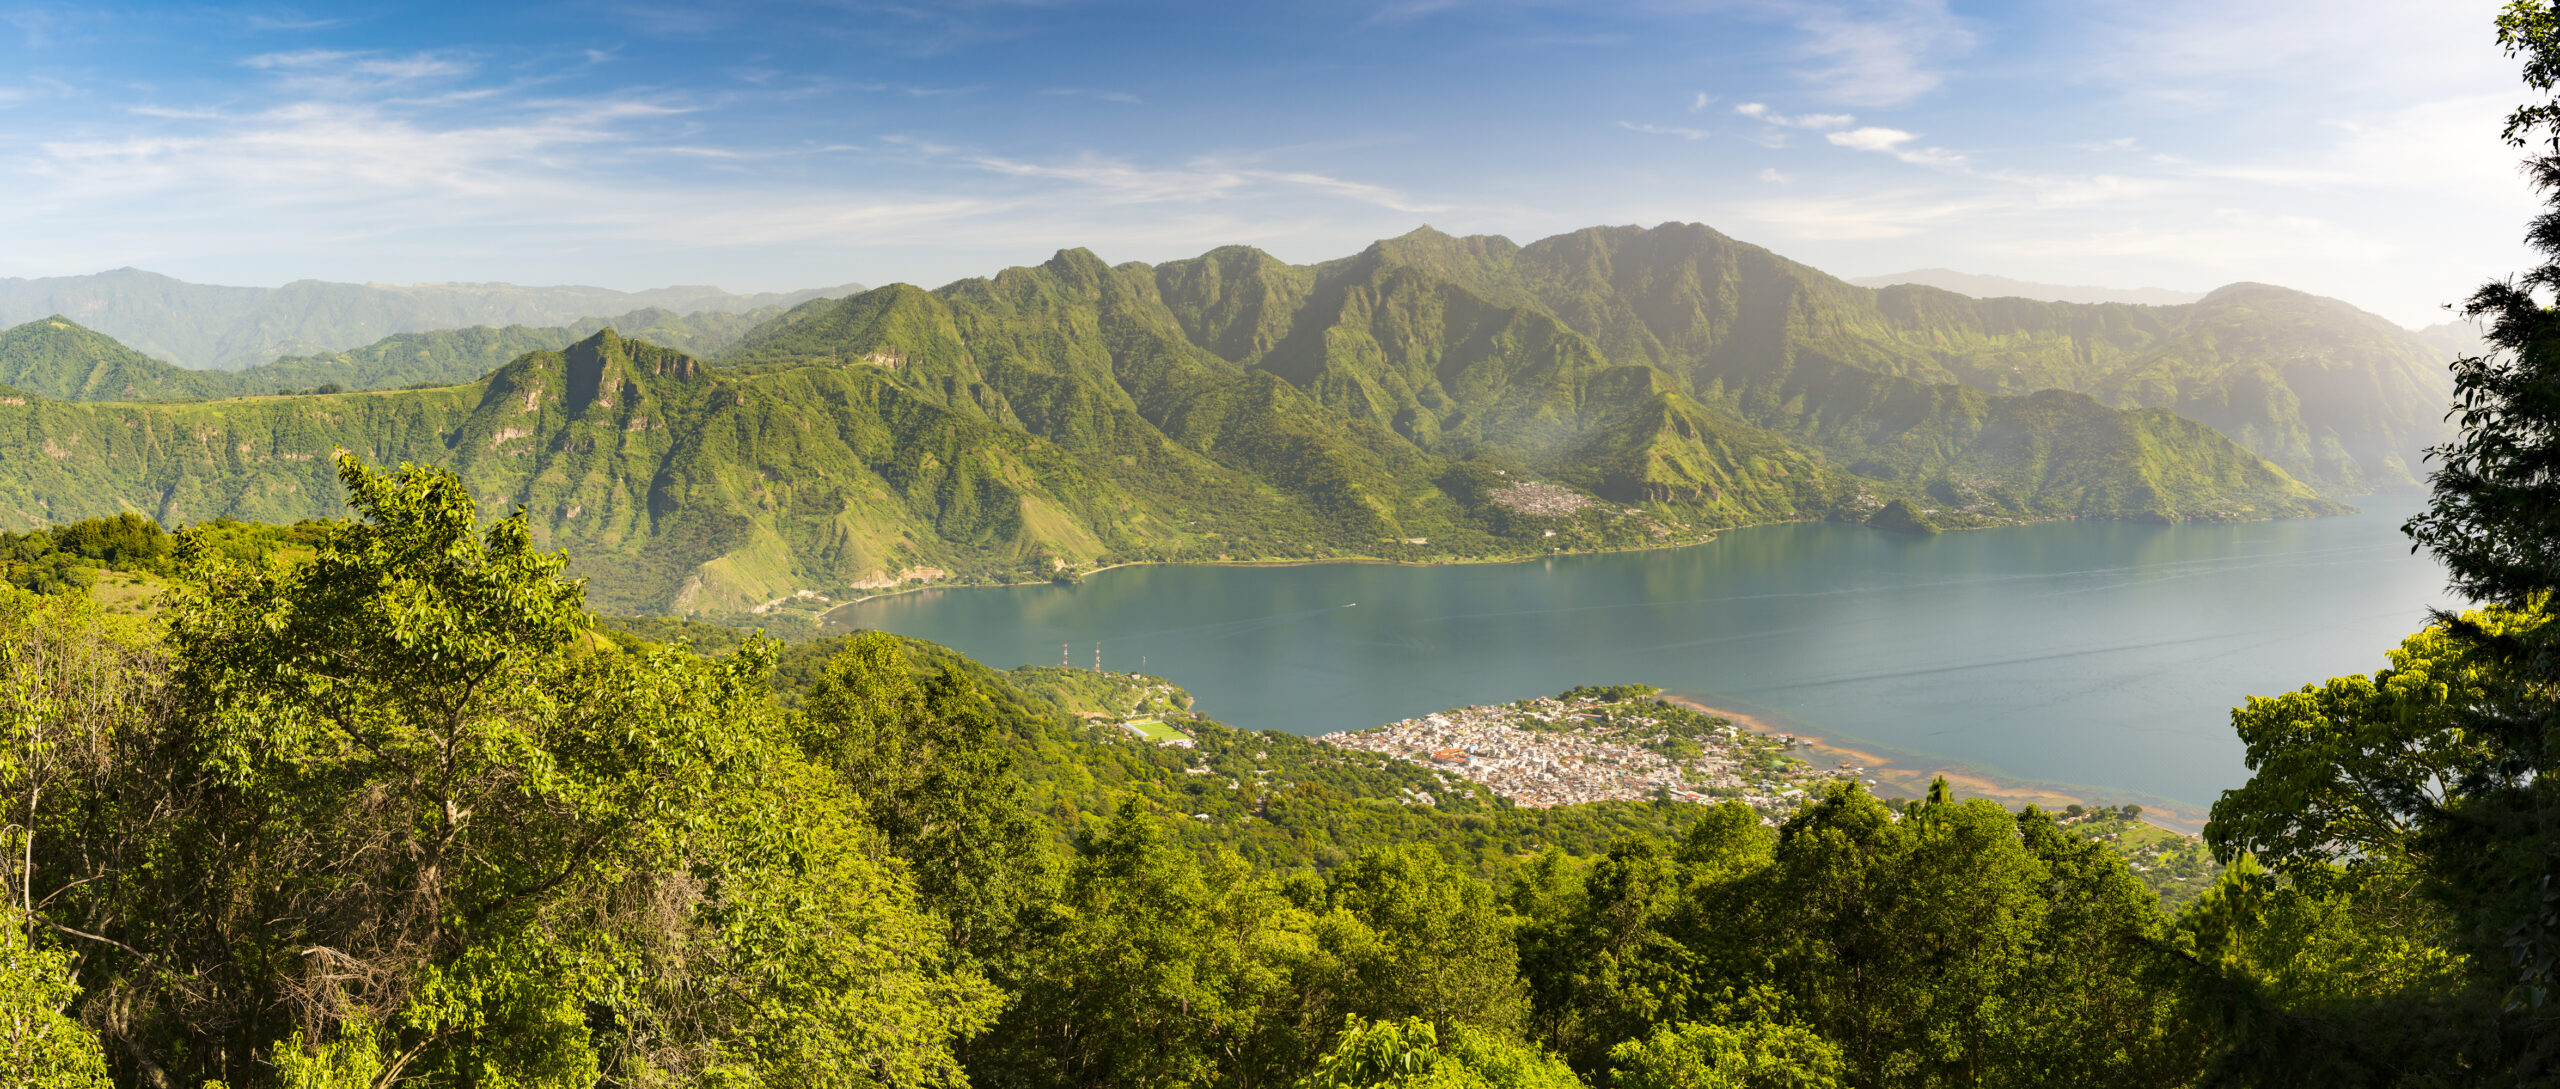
x=1153, y=730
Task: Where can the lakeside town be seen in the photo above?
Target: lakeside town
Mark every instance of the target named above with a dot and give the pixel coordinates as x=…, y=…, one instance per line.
x=1600, y=744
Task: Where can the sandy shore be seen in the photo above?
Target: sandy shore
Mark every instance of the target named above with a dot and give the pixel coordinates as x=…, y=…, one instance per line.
x=1905, y=777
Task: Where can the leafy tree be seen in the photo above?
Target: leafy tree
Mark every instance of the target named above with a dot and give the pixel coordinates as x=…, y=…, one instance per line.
x=1413, y=1054
x=1601, y=966
x=1151, y=969
x=2420, y=803
x=430, y=820
x=2494, y=519
x=1441, y=952
x=41, y=1045
x=934, y=775
x=1753, y=1055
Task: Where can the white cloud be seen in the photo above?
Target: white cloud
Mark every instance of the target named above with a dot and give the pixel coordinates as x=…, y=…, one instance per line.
x=1872, y=139
x=1889, y=141
x=1701, y=102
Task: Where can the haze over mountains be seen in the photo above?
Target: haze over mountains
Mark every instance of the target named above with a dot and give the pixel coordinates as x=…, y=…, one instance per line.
x=1431, y=397
x=1998, y=287
x=210, y=326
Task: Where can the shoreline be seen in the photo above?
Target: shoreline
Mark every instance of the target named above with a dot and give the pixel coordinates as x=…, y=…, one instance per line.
x=1900, y=776
x=1715, y=536
x=1374, y=561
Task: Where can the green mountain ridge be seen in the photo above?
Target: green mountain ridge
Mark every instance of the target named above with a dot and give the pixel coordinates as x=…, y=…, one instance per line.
x=1429, y=399
x=59, y=358
x=205, y=326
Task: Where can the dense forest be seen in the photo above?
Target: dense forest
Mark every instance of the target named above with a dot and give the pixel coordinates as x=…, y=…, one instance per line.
x=378, y=802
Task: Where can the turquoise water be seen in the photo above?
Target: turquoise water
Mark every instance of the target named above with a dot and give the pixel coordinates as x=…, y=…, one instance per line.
x=2100, y=655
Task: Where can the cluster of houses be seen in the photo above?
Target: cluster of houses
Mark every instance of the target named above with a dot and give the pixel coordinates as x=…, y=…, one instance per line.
x=1553, y=752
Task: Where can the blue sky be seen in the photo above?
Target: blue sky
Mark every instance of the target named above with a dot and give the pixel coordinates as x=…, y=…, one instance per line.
x=2346, y=147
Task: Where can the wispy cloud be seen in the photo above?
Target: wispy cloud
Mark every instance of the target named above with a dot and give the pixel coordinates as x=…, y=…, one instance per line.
x=1663, y=130
x=349, y=73
x=1881, y=53
x=1118, y=181
x=291, y=22
x=1760, y=111
x=1122, y=97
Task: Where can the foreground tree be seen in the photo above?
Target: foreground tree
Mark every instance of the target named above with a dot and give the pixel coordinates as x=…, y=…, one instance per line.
x=932, y=771
x=2494, y=520
x=385, y=811
x=2408, y=924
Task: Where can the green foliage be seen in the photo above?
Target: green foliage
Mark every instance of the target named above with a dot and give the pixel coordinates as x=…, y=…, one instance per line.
x=2390, y=925
x=352, y=1061
x=1935, y=947
x=434, y=815
x=448, y=357
x=1753, y=1055
x=1609, y=693
x=935, y=777
x=41, y=1045
x=403, y=811
x=1412, y=1054
x=1899, y=516
x=1434, y=947
x=1155, y=970
x=58, y=358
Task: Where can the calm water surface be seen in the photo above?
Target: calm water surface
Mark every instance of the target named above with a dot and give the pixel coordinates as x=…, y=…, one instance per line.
x=2096, y=654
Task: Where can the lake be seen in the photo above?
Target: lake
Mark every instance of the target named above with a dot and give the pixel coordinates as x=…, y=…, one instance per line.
x=2097, y=656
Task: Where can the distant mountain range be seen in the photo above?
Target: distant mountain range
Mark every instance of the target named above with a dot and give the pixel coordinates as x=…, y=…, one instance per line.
x=1429, y=398
x=59, y=358
x=203, y=326
x=2002, y=287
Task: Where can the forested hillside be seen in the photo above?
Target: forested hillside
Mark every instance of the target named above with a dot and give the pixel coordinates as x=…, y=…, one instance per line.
x=1430, y=398
x=2340, y=398
x=377, y=802
x=1057, y=418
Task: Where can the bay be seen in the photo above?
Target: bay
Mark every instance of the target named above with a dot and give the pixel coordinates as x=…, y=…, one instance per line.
x=2102, y=657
